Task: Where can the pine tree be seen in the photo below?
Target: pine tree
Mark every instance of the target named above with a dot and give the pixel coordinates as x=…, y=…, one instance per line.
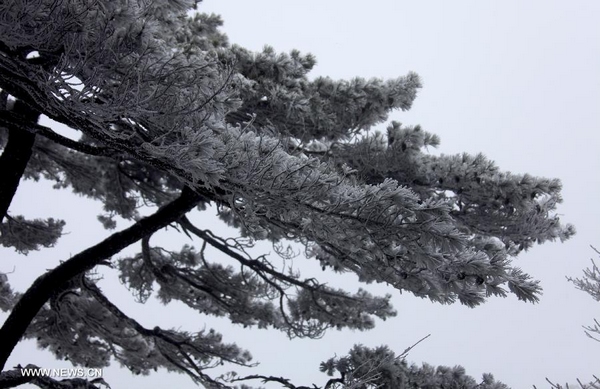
x=173, y=117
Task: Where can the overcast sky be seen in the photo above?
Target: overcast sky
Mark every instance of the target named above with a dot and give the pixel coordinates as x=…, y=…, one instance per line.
x=517, y=81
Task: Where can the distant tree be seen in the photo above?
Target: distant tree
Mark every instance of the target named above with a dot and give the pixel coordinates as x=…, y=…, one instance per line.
x=175, y=119
x=590, y=283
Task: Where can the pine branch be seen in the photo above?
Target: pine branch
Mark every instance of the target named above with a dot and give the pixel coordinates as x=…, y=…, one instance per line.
x=254, y=264
x=283, y=381
x=183, y=347
x=10, y=120
x=286, y=382
x=36, y=296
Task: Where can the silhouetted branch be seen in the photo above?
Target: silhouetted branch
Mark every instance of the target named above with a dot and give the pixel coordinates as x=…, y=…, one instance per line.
x=44, y=286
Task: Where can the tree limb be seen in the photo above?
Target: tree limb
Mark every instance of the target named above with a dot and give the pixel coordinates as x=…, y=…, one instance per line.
x=36, y=296
x=10, y=120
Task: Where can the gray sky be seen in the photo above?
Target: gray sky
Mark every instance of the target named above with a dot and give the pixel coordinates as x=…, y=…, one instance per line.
x=517, y=81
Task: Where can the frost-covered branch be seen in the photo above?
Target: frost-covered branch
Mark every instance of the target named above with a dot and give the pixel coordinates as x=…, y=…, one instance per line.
x=590, y=283
x=42, y=289
x=166, y=109
x=191, y=353
x=257, y=295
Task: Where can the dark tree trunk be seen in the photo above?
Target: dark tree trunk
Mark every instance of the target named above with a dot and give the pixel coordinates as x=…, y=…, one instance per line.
x=36, y=296
x=15, y=156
